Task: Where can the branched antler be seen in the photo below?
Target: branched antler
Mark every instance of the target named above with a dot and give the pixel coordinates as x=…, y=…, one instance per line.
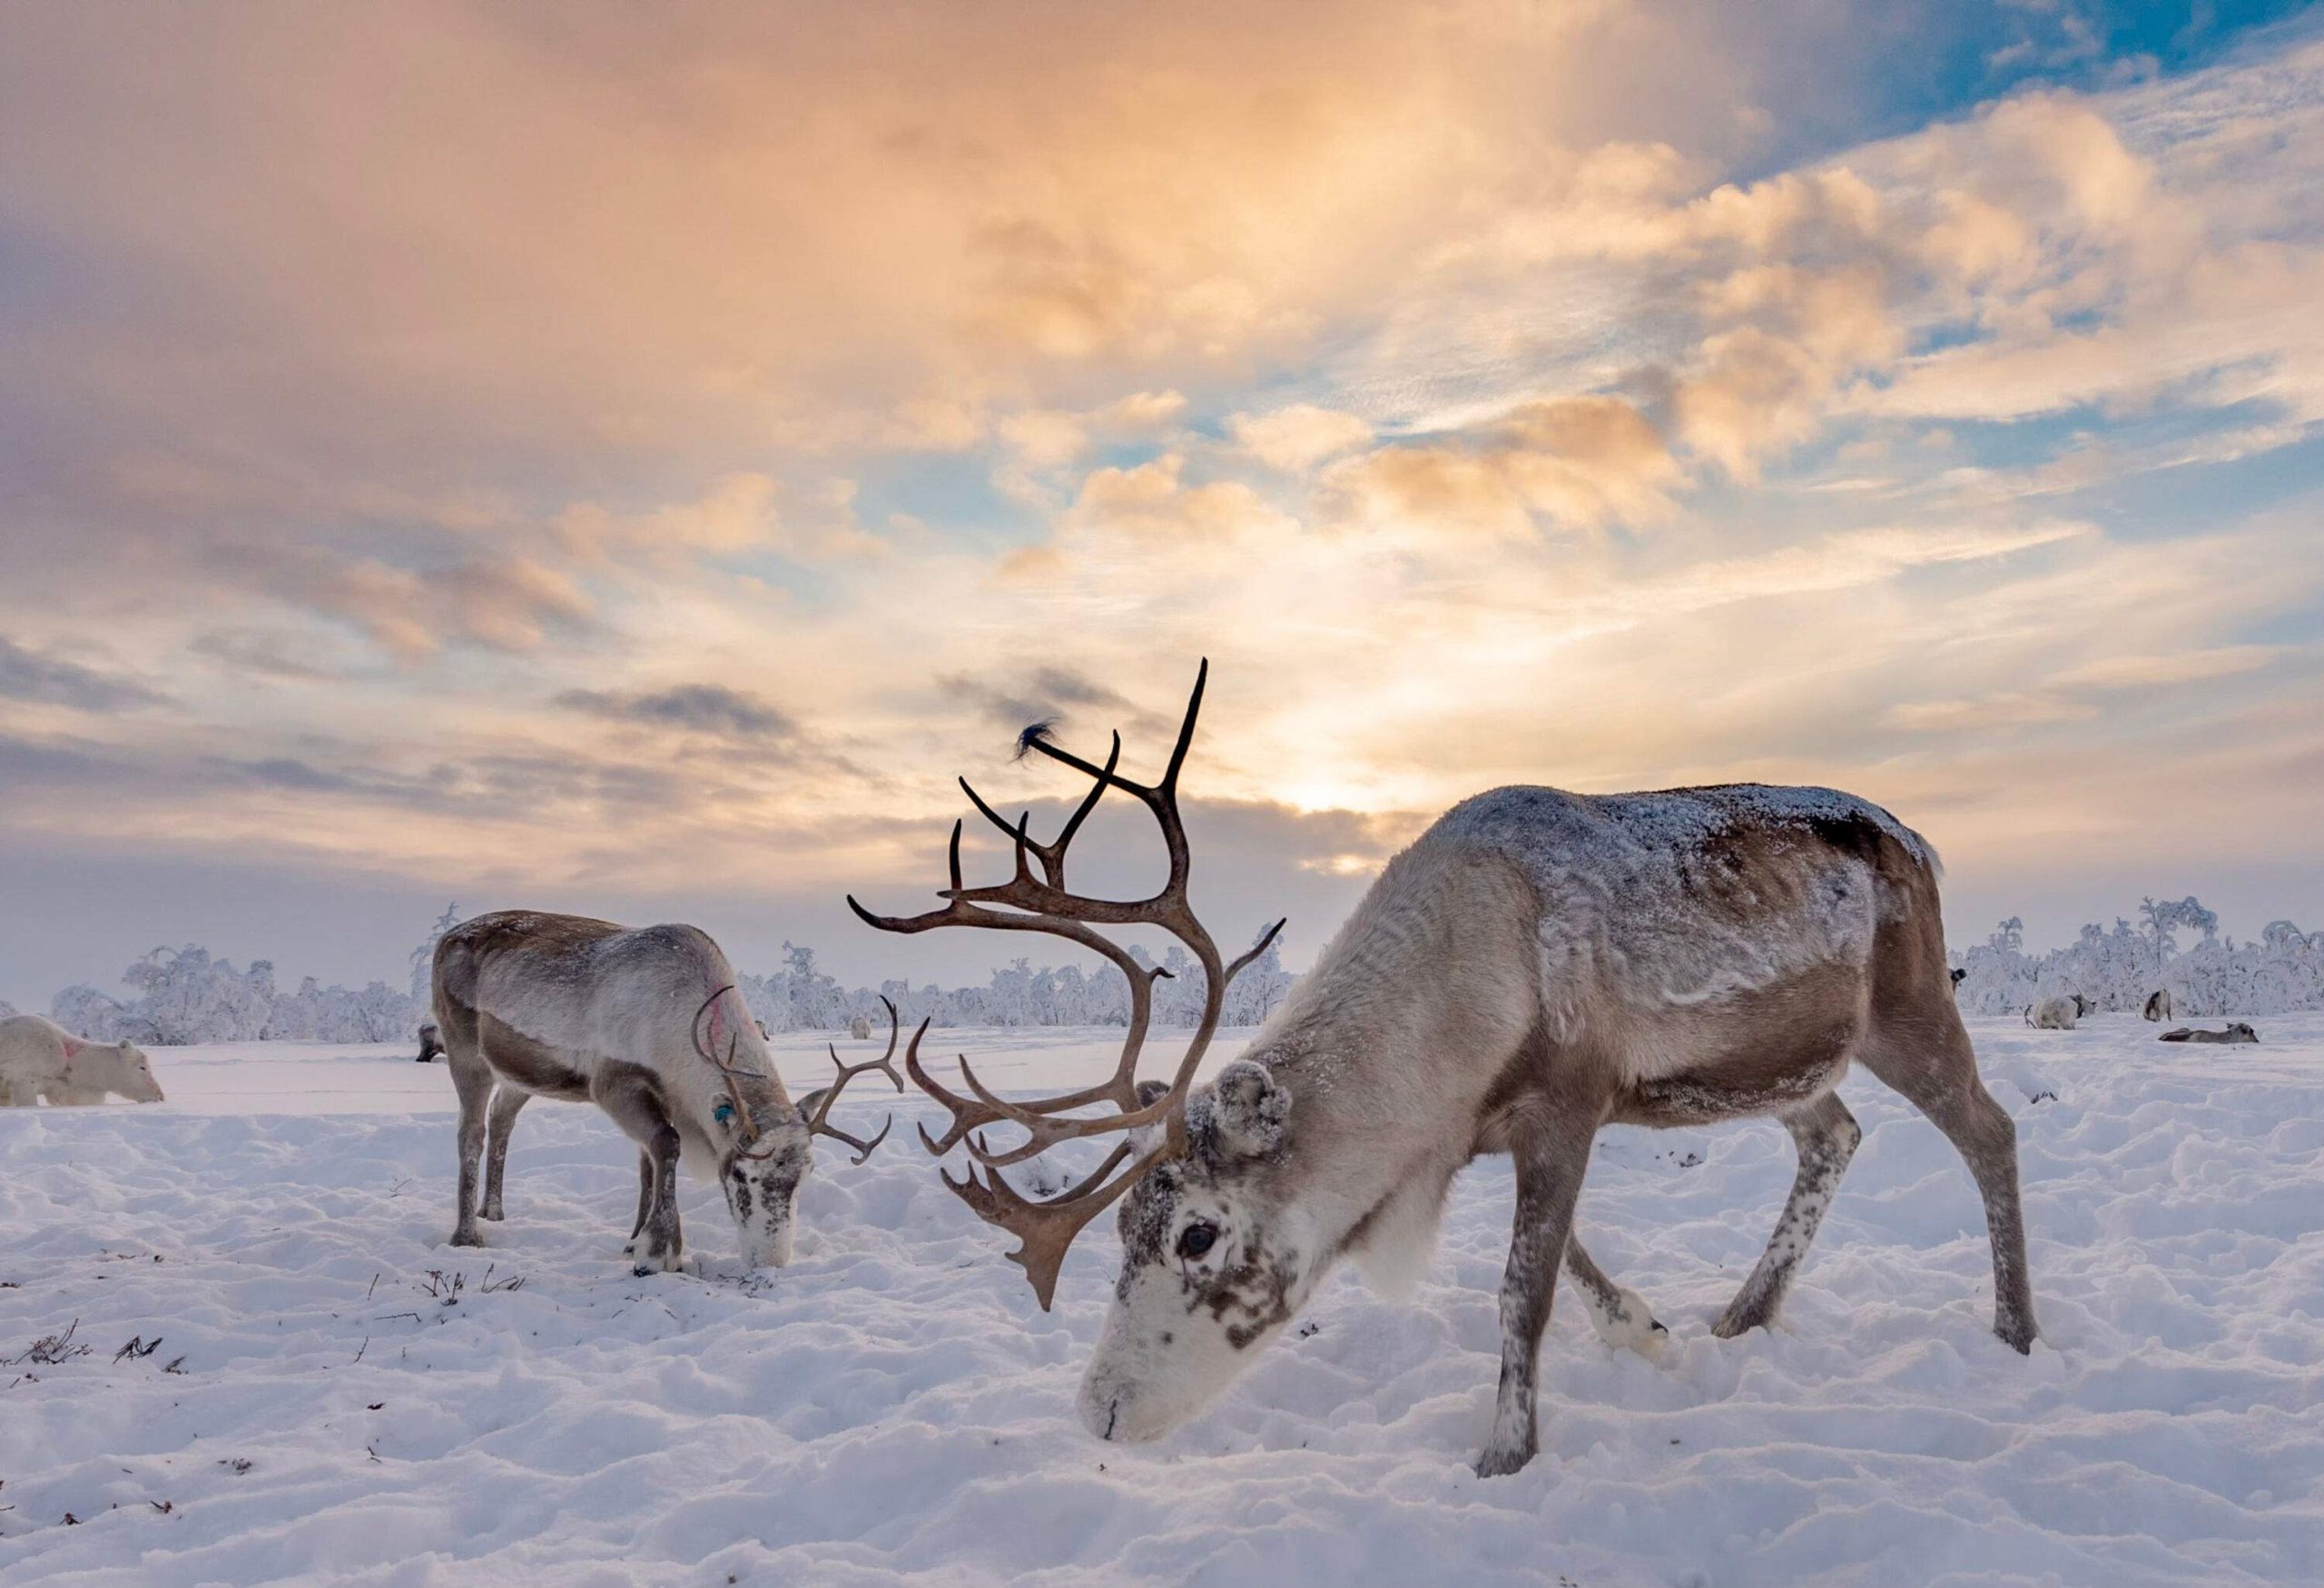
x=1027, y=903
x=815, y=1108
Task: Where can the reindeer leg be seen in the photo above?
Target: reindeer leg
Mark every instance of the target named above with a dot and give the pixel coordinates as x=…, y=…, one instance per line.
x=472, y=1080
x=1826, y=1136
x=506, y=1102
x=1549, y=1168
x=1621, y=1316
x=644, y=1203
x=632, y=1095
x=1934, y=1066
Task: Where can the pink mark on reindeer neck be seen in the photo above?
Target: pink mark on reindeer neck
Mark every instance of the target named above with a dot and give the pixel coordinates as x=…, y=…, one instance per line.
x=73, y=1045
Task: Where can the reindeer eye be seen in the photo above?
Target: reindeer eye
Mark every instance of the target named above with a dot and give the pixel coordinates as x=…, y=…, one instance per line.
x=1197, y=1239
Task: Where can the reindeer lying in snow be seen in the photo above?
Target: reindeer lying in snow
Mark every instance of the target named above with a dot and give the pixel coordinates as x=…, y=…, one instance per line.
x=41, y=1061
x=2058, y=1014
x=633, y=1021
x=2237, y=1032
x=1537, y=964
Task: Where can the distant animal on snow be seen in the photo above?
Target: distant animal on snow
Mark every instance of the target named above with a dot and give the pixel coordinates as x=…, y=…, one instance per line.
x=2058, y=1014
x=431, y=1041
x=42, y=1061
x=2237, y=1032
x=2158, y=1005
x=635, y=1022
x=860, y=1028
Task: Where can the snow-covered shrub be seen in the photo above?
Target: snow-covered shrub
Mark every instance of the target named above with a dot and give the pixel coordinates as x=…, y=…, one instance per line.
x=185, y=995
x=2116, y=969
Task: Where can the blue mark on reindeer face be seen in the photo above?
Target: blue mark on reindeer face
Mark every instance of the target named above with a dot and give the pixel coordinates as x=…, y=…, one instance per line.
x=724, y=1113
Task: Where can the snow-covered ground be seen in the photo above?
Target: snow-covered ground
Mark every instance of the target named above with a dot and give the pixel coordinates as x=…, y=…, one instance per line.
x=894, y=1406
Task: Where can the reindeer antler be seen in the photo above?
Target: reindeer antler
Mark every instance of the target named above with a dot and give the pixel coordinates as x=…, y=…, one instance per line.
x=1024, y=903
x=816, y=1107
x=745, y=1125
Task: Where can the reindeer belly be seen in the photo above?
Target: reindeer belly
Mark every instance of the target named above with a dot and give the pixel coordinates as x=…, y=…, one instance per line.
x=536, y=1066
x=1767, y=1052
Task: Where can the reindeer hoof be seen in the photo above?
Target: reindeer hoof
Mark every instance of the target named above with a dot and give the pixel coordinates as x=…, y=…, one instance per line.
x=1499, y=1464
x=494, y=1214
x=465, y=1238
x=1633, y=1328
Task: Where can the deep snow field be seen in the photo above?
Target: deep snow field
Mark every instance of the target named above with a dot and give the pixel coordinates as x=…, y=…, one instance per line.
x=894, y=1406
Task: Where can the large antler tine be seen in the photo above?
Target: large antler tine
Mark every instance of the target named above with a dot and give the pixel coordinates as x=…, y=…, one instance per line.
x=1053, y=857
x=1256, y=949
x=886, y=1062
x=1169, y=783
x=965, y=1115
x=863, y=1150
x=1044, y=1230
x=986, y=811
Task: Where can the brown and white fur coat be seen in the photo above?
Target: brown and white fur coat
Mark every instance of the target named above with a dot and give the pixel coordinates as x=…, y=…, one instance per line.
x=1538, y=965
x=530, y=1005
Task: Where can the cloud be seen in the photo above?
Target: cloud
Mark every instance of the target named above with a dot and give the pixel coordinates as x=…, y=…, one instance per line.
x=1299, y=437
x=46, y=680
x=1575, y=463
x=699, y=708
x=2147, y=672
x=1152, y=502
x=1050, y=694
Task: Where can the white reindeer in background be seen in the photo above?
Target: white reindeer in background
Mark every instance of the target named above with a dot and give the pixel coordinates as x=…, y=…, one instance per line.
x=41, y=1061
x=1537, y=965
x=2058, y=1014
x=562, y=1006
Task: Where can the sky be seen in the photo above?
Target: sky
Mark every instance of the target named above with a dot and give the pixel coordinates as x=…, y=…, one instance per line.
x=630, y=460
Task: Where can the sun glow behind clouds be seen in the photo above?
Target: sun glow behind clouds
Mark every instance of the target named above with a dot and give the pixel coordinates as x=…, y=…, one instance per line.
x=625, y=460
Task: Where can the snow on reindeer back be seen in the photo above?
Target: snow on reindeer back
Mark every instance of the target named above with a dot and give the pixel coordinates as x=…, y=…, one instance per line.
x=1649, y=890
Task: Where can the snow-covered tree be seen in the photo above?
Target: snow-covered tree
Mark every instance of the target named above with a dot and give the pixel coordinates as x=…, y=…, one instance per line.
x=2118, y=968
x=423, y=958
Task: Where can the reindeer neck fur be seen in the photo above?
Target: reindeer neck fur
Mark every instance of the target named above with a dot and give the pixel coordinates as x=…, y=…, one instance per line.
x=1389, y=1048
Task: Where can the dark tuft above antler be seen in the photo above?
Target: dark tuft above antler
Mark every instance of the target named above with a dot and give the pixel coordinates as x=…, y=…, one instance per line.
x=1024, y=903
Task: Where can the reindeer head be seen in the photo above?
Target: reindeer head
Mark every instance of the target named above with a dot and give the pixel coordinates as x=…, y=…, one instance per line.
x=133, y=1077
x=1210, y=1268
x=1216, y=1257
x=768, y=1153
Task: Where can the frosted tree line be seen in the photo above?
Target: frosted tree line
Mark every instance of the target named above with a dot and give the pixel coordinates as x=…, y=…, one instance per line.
x=188, y=995
x=2281, y=970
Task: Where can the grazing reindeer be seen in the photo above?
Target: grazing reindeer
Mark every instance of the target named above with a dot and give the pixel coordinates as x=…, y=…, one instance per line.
x=42, y=1061
x=1537, y=965
x=562, y=1006
x=2158, y=1005
x=2058, y=1014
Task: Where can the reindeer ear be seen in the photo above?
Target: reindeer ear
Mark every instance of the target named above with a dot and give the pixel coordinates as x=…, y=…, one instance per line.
x=1248, y=1111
